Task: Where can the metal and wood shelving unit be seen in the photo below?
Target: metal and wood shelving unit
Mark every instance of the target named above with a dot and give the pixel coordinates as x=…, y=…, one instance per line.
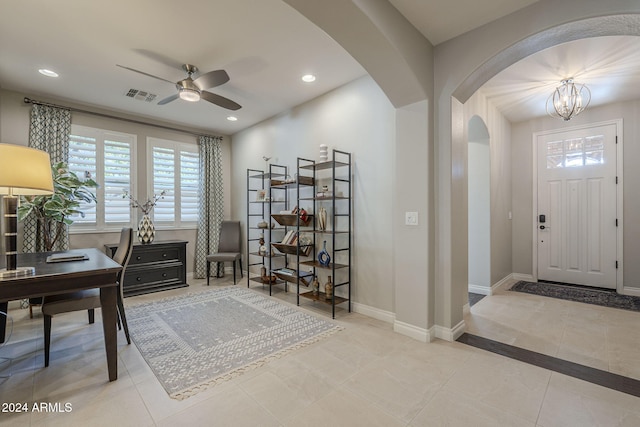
x=297, y=263
x=263, y=200
x=337, y=200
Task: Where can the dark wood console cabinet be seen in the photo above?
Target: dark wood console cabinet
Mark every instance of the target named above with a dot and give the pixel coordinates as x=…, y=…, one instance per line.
x=154, y=267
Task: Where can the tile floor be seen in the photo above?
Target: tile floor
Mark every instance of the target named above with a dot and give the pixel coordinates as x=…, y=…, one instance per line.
x=365, y=375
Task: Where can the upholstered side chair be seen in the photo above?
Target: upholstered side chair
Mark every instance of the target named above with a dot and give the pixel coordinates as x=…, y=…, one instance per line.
x=229, y=249
x=88, y=299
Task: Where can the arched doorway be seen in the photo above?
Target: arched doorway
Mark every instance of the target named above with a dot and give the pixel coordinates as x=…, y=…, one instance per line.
x=625, y=24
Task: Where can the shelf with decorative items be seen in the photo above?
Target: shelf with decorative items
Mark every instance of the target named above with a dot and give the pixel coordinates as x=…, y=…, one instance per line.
x=294, y=244
x=332, y=228
x=262, y=200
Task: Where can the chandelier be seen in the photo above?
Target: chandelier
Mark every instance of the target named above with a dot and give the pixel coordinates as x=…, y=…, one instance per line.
x=568, y=100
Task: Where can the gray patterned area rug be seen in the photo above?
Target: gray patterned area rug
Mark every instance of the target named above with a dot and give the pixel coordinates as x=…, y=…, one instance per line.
x=194, y=341
x=603, y=297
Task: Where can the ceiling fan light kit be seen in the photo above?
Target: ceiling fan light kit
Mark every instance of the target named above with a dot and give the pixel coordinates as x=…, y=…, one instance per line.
x=191, y=95
x=568, y=100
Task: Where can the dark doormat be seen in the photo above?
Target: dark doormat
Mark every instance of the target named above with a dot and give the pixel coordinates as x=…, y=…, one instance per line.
x=474, y=298
x=603, y=297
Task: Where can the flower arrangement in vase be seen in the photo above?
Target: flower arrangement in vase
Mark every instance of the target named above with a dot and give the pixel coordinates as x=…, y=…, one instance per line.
x=146, y=229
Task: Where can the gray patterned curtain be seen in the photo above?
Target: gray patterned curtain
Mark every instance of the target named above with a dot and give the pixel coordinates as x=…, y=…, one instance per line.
x=211, y=198
x=49, y=131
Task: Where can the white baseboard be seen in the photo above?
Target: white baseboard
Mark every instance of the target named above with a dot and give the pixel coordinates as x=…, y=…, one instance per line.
x=450, y=334
x=376, y=313
x=525, y=277
x=412, y=331
x=634, y=292
x=477, y=289
x=501, y=283
x=483, y=290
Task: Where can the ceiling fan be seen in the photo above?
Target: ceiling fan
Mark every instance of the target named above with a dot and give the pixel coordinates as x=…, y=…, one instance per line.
x=193, y=90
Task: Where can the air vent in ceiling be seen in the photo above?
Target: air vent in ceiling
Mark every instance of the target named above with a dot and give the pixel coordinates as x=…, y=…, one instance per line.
x=140, y=95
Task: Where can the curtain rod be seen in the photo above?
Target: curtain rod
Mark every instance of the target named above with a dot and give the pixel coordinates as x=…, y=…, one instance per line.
x=46, y=104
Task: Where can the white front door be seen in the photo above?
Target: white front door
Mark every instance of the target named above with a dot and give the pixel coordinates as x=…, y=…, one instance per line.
x=576, y=222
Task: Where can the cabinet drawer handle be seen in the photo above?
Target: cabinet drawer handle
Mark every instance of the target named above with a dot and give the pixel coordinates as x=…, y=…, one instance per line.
x=164, y=255
x=164, y=274
x=138, y=258
x=138, y=278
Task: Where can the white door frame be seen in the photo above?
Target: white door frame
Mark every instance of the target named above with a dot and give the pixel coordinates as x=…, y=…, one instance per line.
x=619, y=195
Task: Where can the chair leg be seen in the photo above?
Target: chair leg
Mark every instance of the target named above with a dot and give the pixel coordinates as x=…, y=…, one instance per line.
x=234, y=272
x=118, y=322
x=208, y=272
x=219, y=266
x=240, y=260
x=122, y=316
x=30, y=311
x=47, y=339
x=92, y=315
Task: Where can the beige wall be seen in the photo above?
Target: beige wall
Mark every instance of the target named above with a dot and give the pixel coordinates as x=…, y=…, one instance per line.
x=14, y=116
x=356, y=118
x=499, y=130
x=522, y=170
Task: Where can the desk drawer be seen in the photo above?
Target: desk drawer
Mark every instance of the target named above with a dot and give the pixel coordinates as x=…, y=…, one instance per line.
x=138, y=276
x=150, y=255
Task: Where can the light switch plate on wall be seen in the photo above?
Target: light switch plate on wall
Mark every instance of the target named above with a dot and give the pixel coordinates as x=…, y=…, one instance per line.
x=411, y=218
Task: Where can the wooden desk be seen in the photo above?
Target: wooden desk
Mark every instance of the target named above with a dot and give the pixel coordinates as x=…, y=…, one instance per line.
x=99, y=271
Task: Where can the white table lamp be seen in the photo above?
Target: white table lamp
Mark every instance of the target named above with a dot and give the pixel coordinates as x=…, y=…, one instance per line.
x=24, y=171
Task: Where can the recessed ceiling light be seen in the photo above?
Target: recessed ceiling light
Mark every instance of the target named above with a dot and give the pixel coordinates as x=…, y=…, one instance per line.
x=47, y=73
x=308, y=78
x=232, y=118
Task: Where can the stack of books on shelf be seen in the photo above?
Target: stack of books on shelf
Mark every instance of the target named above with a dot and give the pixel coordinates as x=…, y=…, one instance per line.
x=292, y=276
x=291, y=238
x=294, y=238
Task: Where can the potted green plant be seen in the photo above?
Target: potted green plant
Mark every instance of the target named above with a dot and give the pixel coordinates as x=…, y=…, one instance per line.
x=54, y=212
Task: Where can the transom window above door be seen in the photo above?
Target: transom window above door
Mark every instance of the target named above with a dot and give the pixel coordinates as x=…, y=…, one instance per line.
x=575, y=152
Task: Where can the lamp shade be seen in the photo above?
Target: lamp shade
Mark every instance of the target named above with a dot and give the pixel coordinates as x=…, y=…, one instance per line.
x=24, y=171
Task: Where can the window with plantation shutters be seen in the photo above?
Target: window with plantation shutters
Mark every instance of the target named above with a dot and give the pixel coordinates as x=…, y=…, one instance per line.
x=108, y=158
x=174, y=170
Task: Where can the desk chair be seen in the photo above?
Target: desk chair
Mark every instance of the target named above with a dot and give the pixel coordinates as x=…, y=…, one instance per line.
x=88, y=299
x=5, y=362
x=229, y=249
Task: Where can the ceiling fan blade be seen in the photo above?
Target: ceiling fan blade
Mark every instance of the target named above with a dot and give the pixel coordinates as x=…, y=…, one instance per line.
x=212, y=79
x=220, y=100
x=168, y=99
x=146, y=74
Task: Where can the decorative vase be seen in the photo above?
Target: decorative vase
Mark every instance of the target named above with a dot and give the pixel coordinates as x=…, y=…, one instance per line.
x=323, y=256
x=328, y=289
x=146, y=230
x=322, y=219
x=315, y=285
